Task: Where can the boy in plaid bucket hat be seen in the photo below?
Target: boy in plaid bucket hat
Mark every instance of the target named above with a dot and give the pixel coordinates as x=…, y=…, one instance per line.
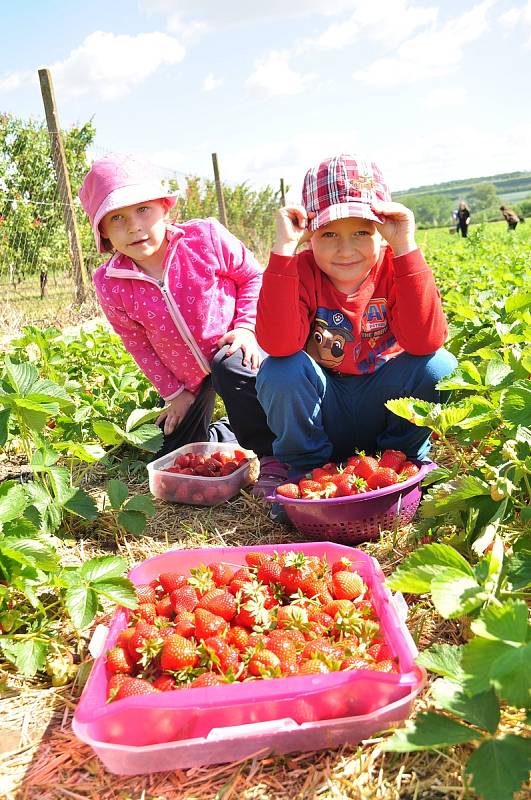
x=324, y=392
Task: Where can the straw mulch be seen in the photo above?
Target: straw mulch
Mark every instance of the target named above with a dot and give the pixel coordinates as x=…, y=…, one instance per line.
x=41, y=759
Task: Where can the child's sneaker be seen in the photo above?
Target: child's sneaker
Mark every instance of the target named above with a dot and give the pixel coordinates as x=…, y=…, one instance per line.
x=272, y=474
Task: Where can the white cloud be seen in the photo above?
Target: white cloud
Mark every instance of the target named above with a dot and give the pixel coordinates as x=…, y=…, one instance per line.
x=445, y=97
x=107, y=66
x=238, y=12
x=388, y=21
x=431, y=53
x=211, y=82
x=273, y=75
x=15, y=80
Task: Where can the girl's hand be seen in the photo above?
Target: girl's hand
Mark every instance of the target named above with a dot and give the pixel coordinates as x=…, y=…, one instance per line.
x=292, y=229
x=176, y=411
x=245, y=340
x=398, y=226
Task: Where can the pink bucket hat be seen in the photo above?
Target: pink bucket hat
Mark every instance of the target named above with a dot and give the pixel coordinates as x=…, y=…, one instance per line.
x=343, y=186
x=115, y=181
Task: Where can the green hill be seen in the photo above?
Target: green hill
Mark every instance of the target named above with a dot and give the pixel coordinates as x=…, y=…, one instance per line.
x=510, y=187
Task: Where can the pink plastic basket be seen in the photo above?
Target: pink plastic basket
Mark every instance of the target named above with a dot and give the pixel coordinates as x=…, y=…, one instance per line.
x=350, y=520
x=190, y=727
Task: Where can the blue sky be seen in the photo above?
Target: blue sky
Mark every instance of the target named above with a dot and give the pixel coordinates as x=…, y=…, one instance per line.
x=432, y=91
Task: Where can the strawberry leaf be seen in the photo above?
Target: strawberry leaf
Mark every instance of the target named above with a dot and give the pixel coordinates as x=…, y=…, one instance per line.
x=427, y=731
x=455, y=594
x=500, y=766
x=419, y=569
x=482, y=710
x=29, y=656
x=82, y=605
x=508, y=623
x=443, y=659
x=515, y=404
x=453, y=495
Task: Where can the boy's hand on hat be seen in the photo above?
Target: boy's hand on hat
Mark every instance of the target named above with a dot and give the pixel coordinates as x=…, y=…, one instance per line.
x=398, y=226
x=242, y=339
x=175, y=411
x=292, y=229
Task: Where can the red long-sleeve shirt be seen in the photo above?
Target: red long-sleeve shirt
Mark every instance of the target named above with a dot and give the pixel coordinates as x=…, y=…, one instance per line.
x=397, y=308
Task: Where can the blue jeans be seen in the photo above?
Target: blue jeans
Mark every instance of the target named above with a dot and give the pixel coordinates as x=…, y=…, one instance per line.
x=318, y=416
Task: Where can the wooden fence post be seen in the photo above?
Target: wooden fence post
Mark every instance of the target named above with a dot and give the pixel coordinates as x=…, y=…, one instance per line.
x=63, y=182
x=219, y=191
x=282, y=193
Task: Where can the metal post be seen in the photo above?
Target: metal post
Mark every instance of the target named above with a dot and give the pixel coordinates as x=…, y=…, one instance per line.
x=282, y=193
x=219, y=191
x=63, y=181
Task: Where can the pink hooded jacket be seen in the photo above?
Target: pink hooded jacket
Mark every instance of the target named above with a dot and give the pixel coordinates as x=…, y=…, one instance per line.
x=210, y=285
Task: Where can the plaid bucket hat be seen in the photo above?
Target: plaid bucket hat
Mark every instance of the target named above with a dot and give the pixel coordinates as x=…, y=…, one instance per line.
x=118, y=180
x=343, y=186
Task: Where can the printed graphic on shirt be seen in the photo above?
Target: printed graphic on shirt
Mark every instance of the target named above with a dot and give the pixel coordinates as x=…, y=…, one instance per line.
x=330, y=331
x=374, y=322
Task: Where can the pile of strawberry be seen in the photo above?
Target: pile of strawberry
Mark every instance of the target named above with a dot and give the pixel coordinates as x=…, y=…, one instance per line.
x=278, y=616
x=217, y=465
x=361, y=474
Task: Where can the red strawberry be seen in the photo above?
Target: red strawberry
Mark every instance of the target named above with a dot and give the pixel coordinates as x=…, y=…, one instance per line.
x=255, y=558
x=164, y=607
x=224, y=657
x=347, y=585
x=353, y=662
x=220, y=602
x=264, y=663
x=330, y=468
x=408, y=470
x=286, y=650
x=207, y=679
x=184, y=599
x=222, y=574
x=379, y=651
x=269, y=572
x=146, y=611
x=366, y=466
x=382, y=477
x=116, y=680
x=238, y=637
x=290, y=490
x=144, y=644
x=313, y=666
x=394, y=459
x=178, y=653
x=119, y=660
x=165, y=683
x=208, y=624
x=319, y=473
x=145, y=594
x=309, y=489
x=171, y=580
x=184, y=624
x=342, y=564
x=134, y=687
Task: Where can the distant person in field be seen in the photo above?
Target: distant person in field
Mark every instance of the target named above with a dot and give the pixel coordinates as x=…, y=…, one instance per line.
x=511, y=217
x=349, y=323
x=463, y=218
x=182, y=297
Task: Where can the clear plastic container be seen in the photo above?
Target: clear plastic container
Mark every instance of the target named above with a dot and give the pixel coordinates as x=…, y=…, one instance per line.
x=191, y=727
x=195, y=489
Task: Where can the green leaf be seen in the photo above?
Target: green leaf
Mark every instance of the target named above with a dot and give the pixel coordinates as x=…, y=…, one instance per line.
x=21, y=376
x=142, y=503
x=32, y=552
x=508, y=622
x=465, y=377
x=429, y=730
x=416, y=411
x=511, y=676
x=496, y=373
x=443, y=659
x=139, y=416
x=13, y=500
x=4, y=424
x=82, y=605
x=519, y=570
x=418, y=570
x=117, y=492
x=86, y=452
x=518, y=300
x=103, y=568
x=455, y=594
x=133, y=521
x=499, y=767
x=29, y=656
x=45, y=391
x=452, y=495
x=482, y=710
x=108, y=432
x=147, y=437
x=515, y=404
x=82, y=504
x=119, y=590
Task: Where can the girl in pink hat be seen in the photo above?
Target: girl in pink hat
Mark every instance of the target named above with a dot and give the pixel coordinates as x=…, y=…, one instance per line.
x=182, y=297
